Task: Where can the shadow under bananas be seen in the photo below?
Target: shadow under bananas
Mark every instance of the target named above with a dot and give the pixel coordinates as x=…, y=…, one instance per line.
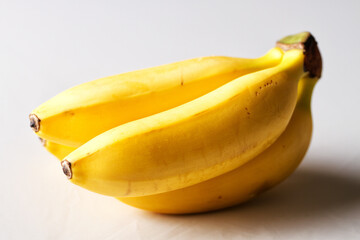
x=312, y=194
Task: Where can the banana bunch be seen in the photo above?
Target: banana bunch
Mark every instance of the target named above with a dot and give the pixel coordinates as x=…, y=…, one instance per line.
x=193, y=136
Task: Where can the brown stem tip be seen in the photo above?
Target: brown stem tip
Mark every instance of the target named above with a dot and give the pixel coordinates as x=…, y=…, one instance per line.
x=306, y=42
x=34, y=122
x=66, y=167
x=43, y=141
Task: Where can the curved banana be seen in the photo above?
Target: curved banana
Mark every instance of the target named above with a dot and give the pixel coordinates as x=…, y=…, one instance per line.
x=261, y=173
x=78, y=114
x=193, y=142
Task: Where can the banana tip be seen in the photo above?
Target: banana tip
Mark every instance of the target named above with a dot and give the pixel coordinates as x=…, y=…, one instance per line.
x=34, y=122
x=66, y=167
x=43, y=141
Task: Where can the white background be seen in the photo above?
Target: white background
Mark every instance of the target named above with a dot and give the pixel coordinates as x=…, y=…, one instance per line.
x=49, y=46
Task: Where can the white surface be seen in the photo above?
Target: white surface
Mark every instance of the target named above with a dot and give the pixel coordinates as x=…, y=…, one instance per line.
x=49, y=46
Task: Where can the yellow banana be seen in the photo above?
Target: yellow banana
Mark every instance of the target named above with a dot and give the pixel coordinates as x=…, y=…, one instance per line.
x=261, y=173
x=58, y=150
x=230, y=188
x=77, y=115
x=194, y=142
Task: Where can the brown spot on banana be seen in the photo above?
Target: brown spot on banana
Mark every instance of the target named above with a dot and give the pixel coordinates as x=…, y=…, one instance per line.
x=69, y=112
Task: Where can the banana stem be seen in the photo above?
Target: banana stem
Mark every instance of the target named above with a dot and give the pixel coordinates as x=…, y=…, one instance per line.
x=305, y=89
x=306, y=42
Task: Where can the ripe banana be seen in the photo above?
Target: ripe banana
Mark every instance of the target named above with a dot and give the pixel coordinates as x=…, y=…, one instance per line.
x=194, y=142
x=78, y=114
x=202, y=155
x=261, y=173
x=247, y=181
